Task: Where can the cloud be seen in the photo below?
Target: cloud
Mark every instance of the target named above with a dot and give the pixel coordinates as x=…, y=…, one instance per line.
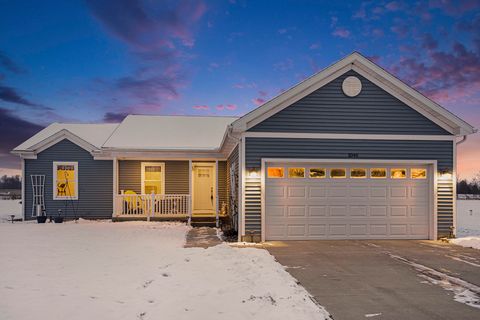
x=114, y=117
x=284, y=65
x=314, y=46
x=9, y=94
x=7, y=63
x=258, y=101
x=201, y=107
x=341, y=32
x=13, y=131
x=428, y=42
x=243, y=85
x=159, y=37
x=453, y=7
x=442, y=75
x=231, y=107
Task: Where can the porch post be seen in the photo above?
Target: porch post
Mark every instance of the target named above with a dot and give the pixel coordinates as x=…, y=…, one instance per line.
x=150, y=212
x=115, y=186
x=190, y=192
x=217, y=220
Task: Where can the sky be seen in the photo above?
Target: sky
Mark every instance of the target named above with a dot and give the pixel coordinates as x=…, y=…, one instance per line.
x=96, y=60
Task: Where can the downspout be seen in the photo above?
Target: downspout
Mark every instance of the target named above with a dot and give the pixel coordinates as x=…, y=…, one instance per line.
x=462, y=141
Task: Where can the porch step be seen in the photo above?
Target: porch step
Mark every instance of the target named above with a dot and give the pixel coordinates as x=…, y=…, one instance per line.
x=204, y=221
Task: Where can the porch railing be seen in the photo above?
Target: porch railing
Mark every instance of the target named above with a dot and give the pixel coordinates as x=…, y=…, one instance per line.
x=153, y=205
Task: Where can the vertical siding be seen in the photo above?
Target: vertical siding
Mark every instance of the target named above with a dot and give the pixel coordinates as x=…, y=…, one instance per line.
x=222, y=184
x=258, y=148
x=232, y=164
x=176, y=176
x=329, y=110
x=95, y=182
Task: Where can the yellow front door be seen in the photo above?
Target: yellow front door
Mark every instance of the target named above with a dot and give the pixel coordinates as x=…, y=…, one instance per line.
x=204, y=192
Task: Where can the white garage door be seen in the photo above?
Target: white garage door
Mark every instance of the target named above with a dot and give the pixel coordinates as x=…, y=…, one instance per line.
x=347, y=201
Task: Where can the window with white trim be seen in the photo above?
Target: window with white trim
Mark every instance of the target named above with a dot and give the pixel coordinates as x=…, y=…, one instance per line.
x=65, y=180
x=153, y=177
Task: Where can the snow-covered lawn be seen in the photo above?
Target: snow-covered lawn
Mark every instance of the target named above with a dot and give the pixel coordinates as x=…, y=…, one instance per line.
x=8, y=207
x=139, y=270
x=468, y=224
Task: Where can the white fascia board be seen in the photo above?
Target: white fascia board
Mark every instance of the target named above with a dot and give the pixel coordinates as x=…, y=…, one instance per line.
x=54, y=139
x=345, y=136
x=157, y=155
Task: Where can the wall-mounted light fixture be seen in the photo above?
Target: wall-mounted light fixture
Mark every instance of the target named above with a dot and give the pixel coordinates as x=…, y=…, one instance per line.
x=252, y=173
x=445, y=174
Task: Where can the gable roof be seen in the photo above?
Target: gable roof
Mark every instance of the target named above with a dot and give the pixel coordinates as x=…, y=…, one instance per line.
x=373, y=73
x=87, y=135
x=142, y=132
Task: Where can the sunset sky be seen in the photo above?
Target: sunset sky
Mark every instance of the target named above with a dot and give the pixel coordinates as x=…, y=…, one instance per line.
x=96, y=61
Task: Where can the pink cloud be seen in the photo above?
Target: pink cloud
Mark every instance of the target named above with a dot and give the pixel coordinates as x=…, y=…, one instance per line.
x=231, y=107
x=258, y=101
x=341, y=32
x=201, y=107
x=220, y=107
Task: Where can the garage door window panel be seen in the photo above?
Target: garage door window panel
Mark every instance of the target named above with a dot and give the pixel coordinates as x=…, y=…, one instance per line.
x=398, y=173
x=318, y=173
x=296, y=173
x=338, y=173
x=418, y=173
x=275, y=172
x=378, y=173
x=358, y=173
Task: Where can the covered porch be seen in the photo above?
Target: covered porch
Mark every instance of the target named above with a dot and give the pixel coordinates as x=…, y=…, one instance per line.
x=193, y=189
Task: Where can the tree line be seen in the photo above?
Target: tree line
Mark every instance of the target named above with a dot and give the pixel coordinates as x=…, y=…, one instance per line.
x=465, y=186
x=12, y=182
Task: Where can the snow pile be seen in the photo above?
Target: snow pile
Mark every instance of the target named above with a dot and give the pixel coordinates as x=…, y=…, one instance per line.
x=139, y=270
x=469, y=242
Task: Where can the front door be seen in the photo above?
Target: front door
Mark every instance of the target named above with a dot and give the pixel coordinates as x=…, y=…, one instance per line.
x=204, y=188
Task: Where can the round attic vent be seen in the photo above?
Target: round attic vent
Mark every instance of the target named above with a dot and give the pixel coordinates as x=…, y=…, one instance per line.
x=351, y=86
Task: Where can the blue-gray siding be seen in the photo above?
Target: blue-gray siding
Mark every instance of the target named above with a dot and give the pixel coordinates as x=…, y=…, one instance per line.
x=258, y=148
x=329, y=110
x=95, y=184
x=232, y=190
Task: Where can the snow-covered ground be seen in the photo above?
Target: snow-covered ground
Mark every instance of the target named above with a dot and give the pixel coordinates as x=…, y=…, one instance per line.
x=8, y=207
x=139, y=270
x=468, y=224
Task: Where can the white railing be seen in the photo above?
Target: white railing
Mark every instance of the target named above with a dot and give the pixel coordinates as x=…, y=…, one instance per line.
x=152, y=205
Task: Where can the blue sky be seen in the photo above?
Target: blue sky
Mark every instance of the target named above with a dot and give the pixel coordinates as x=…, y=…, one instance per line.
x=95, y=61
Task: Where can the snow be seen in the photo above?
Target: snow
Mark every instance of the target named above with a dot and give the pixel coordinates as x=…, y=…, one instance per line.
x=139, y=270
x=93, y=133
x=8, y=207
x=468, y=218
x=170, y=133
x=468, y=224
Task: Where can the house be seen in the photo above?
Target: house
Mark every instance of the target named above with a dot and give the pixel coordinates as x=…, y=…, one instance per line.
x=349, y=153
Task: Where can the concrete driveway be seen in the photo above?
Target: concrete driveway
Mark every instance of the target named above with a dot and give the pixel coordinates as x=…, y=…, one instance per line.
x=387, y=279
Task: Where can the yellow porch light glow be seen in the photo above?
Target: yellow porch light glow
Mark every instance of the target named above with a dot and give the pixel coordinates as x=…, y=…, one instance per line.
x=252, y=173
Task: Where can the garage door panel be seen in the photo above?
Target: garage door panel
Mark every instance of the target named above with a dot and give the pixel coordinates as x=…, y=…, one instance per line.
x=347, y=208
x=316, y=211
x=296, y=211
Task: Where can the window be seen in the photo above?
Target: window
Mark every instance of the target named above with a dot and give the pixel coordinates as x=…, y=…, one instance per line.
x=65, y=180
x=398, y=173
x=275, y=172
x=358, y=173
x=318, y=173
x=378, y=173
x=337, y=173
x=296, y=172
x=417, y=173
x=153, y=177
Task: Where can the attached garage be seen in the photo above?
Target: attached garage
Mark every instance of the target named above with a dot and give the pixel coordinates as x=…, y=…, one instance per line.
x=348, y=200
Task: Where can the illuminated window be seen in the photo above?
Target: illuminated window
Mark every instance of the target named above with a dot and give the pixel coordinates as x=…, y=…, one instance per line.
x=418, y=173
x=398, y=173
x=358, y=173
x=274, y=172
x=153, y=177
x=337, y=173
x=378, y=173
x=296, y=172
x=318, y=172
x=65, y=178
